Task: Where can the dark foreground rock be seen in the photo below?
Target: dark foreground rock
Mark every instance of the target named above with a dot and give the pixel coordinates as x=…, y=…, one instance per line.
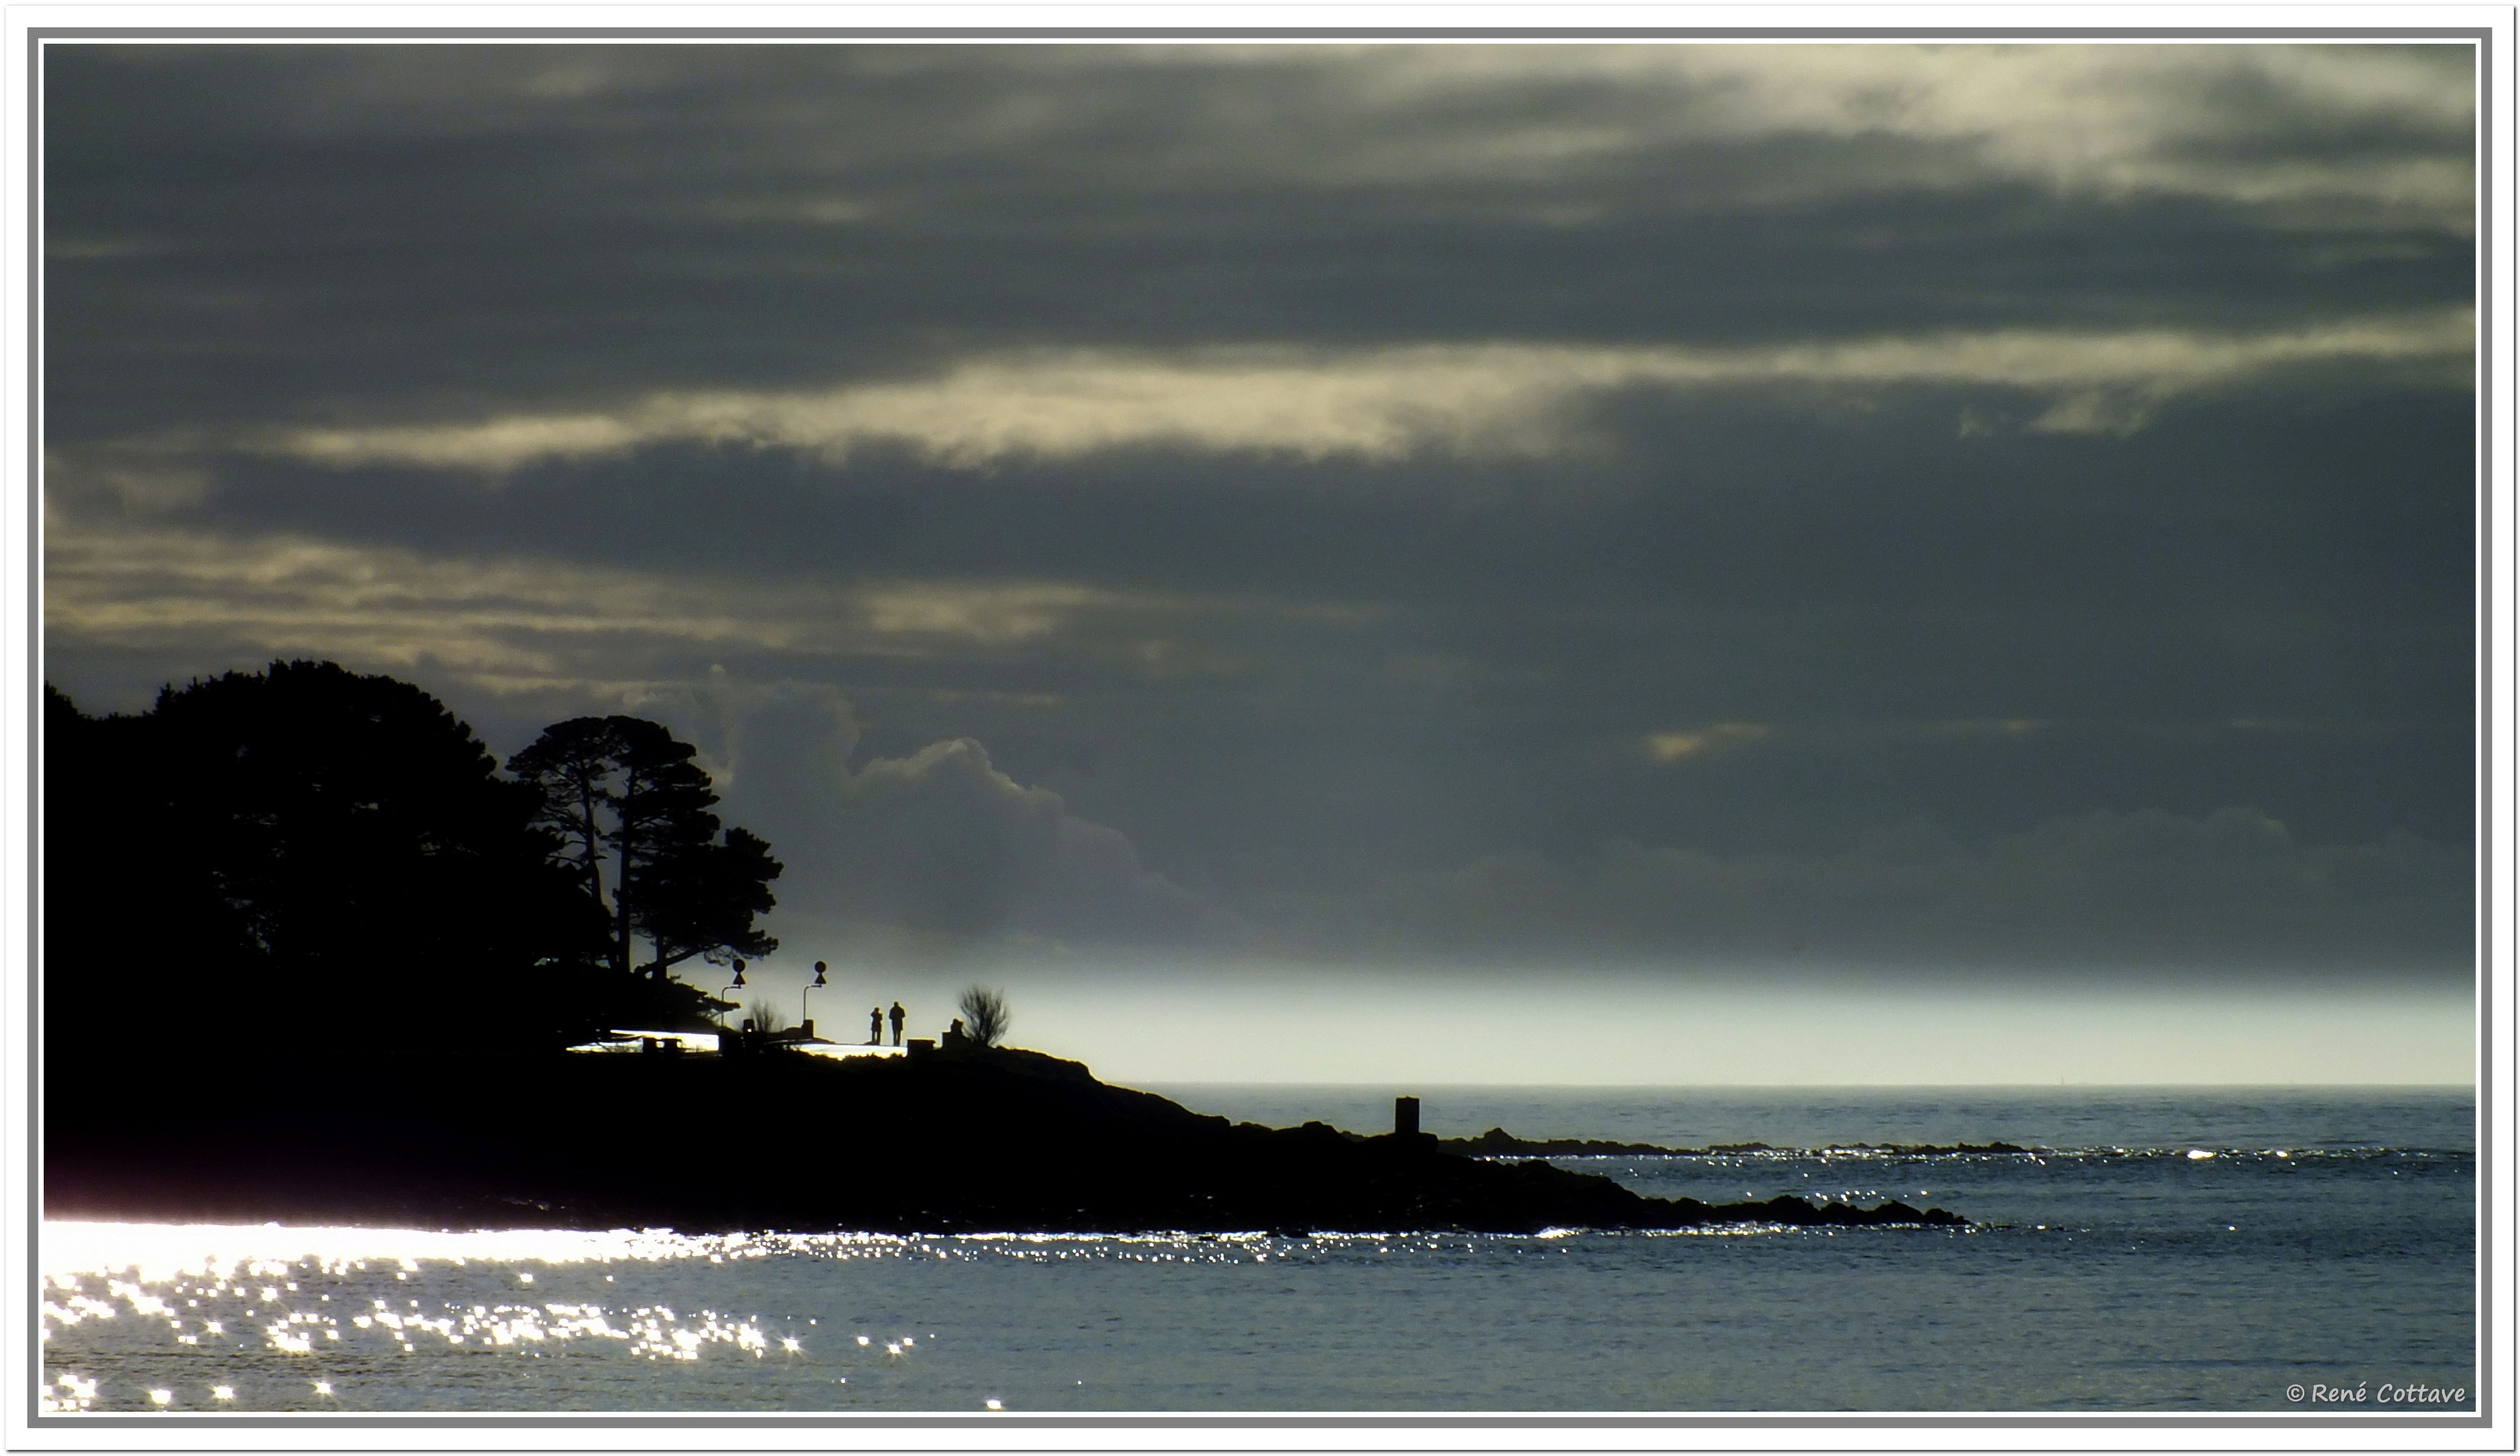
x=1001, y=1140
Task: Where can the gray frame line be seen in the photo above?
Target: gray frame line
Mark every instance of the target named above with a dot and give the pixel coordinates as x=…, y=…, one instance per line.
x=2485, y=733
x=34, y=707
x=1226, y=33
x=1133, y=1420
x=2480, y=1418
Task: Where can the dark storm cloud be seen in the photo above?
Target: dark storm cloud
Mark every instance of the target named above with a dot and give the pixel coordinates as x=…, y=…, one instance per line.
x=941, y=844
x=410, y=233
x=1354, y=501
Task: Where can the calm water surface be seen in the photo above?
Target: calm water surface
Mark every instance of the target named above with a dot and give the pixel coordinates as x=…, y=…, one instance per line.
x=2158, y=1251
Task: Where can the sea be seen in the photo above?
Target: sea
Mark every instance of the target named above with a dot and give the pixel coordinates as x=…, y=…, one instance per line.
x=2303, y=1251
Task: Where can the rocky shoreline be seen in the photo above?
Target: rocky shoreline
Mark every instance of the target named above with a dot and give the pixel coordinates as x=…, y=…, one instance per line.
x=997, y=1140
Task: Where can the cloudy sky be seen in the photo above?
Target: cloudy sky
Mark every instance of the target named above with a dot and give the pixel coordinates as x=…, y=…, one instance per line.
x=1631, y=563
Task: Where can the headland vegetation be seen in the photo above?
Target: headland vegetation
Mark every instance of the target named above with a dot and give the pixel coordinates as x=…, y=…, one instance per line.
x=360, y=955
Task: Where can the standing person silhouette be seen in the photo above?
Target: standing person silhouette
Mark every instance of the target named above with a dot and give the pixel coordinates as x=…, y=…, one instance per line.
x=898, y=1017
x=874, y=1027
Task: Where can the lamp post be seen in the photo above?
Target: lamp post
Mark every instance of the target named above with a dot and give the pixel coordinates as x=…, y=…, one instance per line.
x=735, y=985
x=806, y=1004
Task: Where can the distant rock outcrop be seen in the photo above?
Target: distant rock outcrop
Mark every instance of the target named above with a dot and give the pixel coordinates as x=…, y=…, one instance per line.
x=1496, y=1142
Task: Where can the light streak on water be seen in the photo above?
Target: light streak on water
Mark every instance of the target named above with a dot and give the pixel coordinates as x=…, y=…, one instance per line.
x=187, y=1318
x=150, y=1321
x=229, y=1307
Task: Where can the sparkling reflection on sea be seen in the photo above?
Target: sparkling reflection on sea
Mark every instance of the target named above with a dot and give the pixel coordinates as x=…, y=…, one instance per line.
x=2315, y=1241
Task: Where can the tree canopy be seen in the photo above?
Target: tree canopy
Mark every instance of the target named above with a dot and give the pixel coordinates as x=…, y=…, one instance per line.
x=627, y=786
x=313, y=858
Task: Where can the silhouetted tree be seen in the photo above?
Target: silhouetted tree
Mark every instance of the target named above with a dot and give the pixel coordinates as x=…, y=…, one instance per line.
x=108, y=811
x=985, y=1017
x=573, y=764
x=699, y=899
x=628, y=785
x=660, y=818
x=316, y=854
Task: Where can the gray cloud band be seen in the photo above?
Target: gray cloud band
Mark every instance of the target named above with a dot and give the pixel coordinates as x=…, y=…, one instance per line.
x=1469, y=401
x=1415, y=501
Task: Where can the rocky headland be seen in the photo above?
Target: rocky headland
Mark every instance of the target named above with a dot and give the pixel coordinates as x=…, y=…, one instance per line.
x=976, y=1141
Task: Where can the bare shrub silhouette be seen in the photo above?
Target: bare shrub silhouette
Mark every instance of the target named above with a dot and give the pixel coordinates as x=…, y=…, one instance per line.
x=985, y=1017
